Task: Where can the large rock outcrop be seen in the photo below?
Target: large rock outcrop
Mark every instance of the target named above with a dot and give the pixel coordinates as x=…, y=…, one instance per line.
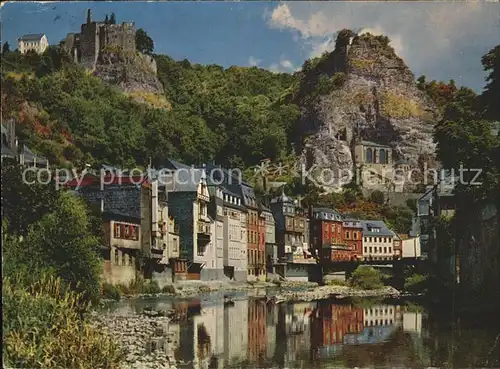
x=362, y=91
x=134, y=74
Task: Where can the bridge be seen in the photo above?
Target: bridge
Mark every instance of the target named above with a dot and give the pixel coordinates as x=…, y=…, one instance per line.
x=396, y=266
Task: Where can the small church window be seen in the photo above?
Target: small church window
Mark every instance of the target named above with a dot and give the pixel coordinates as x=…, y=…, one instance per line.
x=369, y=156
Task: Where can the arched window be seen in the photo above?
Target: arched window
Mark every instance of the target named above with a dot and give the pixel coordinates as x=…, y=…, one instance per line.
x=375, y=156
x=383, y=157
x=369, y=155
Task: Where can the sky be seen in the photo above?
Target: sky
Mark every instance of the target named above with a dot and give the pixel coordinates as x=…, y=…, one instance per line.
x=442, y=40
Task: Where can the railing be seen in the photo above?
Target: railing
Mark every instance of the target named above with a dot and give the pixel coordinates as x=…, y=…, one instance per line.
x=204, y=228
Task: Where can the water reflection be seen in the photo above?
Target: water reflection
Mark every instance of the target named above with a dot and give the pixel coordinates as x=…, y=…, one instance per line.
x=254, y=332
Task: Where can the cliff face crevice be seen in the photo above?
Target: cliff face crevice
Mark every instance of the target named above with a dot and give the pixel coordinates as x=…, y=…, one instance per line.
x=378, y=101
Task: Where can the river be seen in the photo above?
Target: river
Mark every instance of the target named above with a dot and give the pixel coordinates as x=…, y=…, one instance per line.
x=240, y=331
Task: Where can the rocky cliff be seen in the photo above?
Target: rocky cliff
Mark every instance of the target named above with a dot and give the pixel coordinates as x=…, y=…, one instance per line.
x=361, y=91
x=134, y=74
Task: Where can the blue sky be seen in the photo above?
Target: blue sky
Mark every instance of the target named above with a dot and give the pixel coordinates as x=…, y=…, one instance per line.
x=441, y=40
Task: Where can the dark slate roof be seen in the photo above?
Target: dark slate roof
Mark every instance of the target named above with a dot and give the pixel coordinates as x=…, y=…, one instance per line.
x=282, y=199
x=368, y=224
x=29, y=156
x=6, y=152
x=31, y=37
x=370, y=143
x=182, y=180
x=249, y=198
x=326, y=214
x=120, y=217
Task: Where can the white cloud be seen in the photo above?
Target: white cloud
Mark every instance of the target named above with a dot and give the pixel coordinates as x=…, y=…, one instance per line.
x=440, y=39
x=287, y=64
x=252, y=61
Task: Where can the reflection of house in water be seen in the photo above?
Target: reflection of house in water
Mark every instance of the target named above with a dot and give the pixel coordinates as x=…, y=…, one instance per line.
x=271, y=323
x=295, y=325
x=332, y=324
x=209, y=336
x=257, y=338
x=236, y=331
x=337, y=325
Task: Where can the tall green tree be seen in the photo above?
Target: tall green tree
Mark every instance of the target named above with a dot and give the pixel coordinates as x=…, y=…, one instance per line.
x=491, y=94
x=112, y=19
x=143, y=42
x=5, y=48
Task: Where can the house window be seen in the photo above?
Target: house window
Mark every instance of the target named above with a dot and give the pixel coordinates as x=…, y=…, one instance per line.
x=371, y=239
x=117, y=260
x=380, y=249
x=355, y=234
x=370, y=250
x=390, y=250
x=347, y=235
x=117, y=230
x=366, y=250
x=127, y=231
x=385, y=250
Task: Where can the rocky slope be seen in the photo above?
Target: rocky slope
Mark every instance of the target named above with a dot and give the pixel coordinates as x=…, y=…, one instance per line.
x=134, y=74
x=362, y=91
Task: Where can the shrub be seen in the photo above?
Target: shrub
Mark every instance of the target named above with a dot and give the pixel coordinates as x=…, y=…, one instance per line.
x=43, y=326
x=366, y=278
x=377, y=197
x=151, y=287
x=337, y=282
x=416, y=283
x=168, y=289
x=111, y=292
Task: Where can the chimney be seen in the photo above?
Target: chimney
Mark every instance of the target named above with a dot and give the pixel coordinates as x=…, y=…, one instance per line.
x=89, y=16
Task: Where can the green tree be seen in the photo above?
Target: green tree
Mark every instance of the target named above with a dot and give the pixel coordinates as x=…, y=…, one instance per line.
x=62, y=241
x=112, y=19
x=5, y=48
x=377, y=197
x=143, y=42
x=491, y=94
x=106, y=19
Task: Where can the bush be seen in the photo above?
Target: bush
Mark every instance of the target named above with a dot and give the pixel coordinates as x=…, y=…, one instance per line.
x=111, y=292
x=168, y=289
x=43, y=326
x=377, y=197
x=151, y=287
x=416, y=283
x=337, y=282
x=366, y=278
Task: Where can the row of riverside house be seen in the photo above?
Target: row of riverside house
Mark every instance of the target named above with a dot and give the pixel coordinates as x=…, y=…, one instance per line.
x=205, y=223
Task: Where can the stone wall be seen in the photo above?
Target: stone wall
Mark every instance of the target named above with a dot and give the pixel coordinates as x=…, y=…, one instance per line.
x=118, y=274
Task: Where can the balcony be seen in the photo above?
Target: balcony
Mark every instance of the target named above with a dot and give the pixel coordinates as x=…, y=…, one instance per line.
x=204, y=233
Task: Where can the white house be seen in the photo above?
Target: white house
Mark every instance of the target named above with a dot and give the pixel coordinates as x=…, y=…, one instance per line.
x=36, y=42
x=377, y=240
x=411, y=247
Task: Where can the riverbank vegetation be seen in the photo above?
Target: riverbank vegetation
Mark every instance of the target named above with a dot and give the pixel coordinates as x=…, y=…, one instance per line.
x=51, y=276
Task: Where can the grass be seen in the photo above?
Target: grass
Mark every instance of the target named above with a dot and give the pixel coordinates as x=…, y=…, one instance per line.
x=154, y=100
x=364, y=65
x=111, y=292
x=400, y=107
x=337, y=282
x=44, y=326
x=416, y=283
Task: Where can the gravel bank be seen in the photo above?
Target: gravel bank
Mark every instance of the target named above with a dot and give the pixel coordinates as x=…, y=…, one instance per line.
x=144, y=338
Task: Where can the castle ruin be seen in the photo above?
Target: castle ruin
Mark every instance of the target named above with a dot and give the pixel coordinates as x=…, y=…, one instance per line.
x=96, y=37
